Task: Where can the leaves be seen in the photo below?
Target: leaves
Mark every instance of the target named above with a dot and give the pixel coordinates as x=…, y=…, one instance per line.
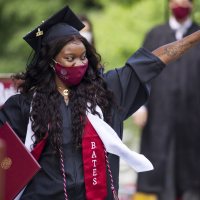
x=119, y=26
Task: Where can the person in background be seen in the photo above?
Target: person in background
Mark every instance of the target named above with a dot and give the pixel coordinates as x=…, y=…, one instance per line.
x=170, y=137
x=78, y=112
x=8, y=87
x=87, y=31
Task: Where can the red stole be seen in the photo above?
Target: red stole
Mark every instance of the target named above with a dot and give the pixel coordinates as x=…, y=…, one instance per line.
x=36, y=152
x=94, y=164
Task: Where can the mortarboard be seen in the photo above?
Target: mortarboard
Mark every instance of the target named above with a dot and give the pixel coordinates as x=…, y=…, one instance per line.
x=62, y=23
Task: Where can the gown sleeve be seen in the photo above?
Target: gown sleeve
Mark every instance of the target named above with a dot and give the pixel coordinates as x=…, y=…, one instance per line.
x=15, y=111
x=130, y=84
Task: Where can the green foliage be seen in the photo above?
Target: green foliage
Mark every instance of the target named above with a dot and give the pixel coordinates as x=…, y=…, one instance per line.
x=119, y=26
x=119, y=30
x=17, y=18
x=196, y=14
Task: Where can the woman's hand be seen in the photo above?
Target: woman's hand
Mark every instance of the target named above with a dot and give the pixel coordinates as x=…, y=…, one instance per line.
x=174, y=50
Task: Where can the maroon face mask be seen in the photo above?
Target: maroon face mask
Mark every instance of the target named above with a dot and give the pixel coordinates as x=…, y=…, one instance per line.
x=70, y=75
x=181, y=13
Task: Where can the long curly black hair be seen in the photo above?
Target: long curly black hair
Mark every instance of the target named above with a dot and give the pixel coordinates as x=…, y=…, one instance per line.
x=39, y=80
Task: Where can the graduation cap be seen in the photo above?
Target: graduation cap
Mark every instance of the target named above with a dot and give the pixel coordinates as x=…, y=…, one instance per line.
x=63, y=23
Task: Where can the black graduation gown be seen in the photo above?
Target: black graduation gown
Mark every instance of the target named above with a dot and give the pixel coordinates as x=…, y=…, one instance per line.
x=174, y=114
x=129, y=85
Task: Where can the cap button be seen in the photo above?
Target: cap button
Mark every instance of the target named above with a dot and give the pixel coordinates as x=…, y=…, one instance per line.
x=39, y=33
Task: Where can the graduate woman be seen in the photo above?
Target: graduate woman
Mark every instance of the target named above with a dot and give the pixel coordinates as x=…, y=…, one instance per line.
x=78, y=112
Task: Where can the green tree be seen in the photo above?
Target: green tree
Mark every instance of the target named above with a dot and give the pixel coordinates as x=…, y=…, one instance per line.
x=119, y=25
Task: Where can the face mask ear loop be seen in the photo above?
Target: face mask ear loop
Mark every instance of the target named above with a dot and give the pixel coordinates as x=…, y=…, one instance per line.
x=54, y=61
x=53, y=65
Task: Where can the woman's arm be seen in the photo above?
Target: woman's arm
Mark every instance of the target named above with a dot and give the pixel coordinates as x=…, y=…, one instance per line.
x=174, y=50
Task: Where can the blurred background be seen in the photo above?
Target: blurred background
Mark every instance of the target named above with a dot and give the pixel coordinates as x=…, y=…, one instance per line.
x=119, y=29
x=120, y=23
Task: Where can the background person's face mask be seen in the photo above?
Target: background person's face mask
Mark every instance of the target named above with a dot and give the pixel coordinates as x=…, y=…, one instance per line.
x=181, y=13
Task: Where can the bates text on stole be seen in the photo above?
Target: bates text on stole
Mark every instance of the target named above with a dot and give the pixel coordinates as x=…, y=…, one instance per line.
x=94, y=160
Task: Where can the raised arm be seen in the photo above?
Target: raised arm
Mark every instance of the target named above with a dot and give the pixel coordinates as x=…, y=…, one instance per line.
x=174, y=50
